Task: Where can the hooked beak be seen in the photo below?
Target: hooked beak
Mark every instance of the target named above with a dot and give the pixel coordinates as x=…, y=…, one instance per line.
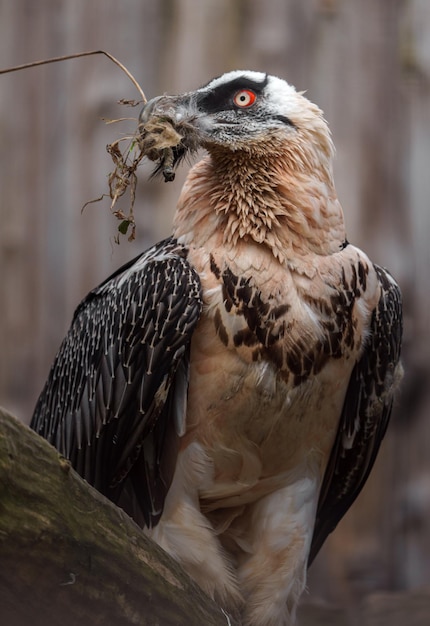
x=167, y=132
x=175, y=109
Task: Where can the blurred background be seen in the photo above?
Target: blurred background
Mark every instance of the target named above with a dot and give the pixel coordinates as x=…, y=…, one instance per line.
x=367, y=64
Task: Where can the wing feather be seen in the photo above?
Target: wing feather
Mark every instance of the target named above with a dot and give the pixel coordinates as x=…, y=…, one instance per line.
x=365, y=414
x=117, y=389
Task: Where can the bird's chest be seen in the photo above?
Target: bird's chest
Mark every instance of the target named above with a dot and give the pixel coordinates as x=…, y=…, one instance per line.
x=267, y=315
x=262, y=360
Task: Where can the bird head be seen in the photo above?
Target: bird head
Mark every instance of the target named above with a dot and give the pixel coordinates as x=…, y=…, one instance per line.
x=268, y=173
x=245, y=111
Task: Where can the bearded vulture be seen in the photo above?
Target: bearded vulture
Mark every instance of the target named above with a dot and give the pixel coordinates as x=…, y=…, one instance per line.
x=230, y=387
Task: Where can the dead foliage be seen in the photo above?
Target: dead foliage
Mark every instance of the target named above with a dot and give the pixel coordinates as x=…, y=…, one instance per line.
x=158, y=139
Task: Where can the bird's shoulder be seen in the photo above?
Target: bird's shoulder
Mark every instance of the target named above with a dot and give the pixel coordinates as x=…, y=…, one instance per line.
x=166, y=255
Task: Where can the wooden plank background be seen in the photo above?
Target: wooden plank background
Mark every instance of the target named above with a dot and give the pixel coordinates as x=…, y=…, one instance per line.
x=367, y=64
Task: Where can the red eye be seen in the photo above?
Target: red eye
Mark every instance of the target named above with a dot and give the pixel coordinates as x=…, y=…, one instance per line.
x=244, y=98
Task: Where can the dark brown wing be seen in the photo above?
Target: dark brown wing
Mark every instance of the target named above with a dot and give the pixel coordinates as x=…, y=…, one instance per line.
x=365, y=413
x=115, y=400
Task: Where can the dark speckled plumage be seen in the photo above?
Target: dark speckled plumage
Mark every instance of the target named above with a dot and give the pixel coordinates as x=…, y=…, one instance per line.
x=365, y=414
x=120, y=379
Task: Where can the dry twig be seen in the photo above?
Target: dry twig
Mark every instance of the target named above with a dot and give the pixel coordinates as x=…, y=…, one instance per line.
x=156, y=140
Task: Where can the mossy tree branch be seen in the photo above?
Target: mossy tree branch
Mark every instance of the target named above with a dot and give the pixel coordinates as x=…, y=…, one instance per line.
x=69, y=556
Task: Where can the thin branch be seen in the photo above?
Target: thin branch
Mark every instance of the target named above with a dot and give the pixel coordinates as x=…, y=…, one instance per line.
x=78, y=55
